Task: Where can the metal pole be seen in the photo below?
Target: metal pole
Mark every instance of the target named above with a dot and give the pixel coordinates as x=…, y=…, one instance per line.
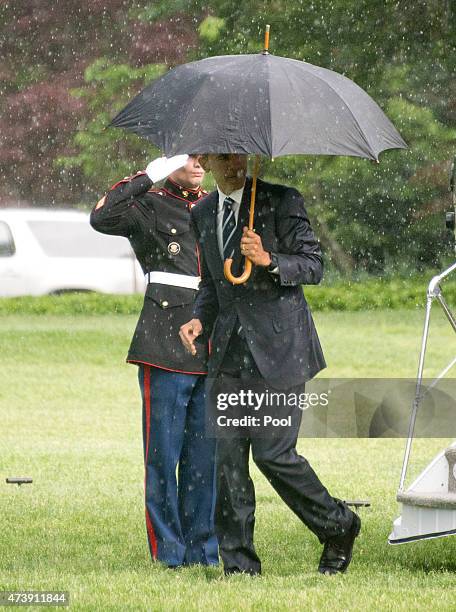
x=437, y=279
x=447, y=311
x=433, y=292
x=453, y=194
x=416, y=401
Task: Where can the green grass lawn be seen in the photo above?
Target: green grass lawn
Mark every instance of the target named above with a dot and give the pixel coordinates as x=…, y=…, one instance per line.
x=70, y=418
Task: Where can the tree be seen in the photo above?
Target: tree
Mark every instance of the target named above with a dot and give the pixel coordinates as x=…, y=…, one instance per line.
x=105, y=155
x=46, y=46
x=403, y=53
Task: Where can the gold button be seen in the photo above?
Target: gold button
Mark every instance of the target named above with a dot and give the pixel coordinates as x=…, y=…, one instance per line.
x=164, y=303
x=173, y=230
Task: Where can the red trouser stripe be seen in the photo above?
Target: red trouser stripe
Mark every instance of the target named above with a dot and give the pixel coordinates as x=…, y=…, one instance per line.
x=149, y=526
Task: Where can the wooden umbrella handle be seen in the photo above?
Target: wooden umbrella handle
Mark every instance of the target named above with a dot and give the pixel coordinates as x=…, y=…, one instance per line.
x=239, y=280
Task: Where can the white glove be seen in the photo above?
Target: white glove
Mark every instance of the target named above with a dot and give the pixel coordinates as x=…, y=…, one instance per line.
x=162, y=167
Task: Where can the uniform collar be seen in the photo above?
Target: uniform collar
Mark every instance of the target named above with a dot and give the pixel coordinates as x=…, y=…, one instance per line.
x=191, y=195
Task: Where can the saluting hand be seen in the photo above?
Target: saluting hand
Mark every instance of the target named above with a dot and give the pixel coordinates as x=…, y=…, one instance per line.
x=162, y=167
x=252, y=248
x=189, y=332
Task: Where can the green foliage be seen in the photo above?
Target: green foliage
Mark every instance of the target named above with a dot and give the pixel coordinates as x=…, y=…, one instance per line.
x=376, y=218
x=105, y=154
x=373, y=294
x=210, y=27
x=163, y=10
x=369, y=217
x=350, y=295
x=159, y=9
x=73, y=304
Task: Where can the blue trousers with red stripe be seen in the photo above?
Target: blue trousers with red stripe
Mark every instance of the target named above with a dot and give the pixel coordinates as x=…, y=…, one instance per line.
x=179, y=510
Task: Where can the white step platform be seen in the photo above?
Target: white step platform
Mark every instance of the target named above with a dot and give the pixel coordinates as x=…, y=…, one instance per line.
x=429, y=504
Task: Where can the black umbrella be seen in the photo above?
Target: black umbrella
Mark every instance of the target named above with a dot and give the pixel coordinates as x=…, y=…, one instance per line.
x=259, y=104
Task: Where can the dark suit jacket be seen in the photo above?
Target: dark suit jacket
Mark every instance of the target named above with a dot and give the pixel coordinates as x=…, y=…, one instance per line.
x=271, y=308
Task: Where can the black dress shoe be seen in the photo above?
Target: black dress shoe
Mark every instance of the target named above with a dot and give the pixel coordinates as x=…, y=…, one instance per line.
x=337, y=552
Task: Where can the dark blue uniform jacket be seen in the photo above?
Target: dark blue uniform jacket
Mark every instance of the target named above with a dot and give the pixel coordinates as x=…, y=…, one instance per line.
x=157, y=224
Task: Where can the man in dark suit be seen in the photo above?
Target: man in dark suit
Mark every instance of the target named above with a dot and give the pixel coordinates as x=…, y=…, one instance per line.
x=262, y=331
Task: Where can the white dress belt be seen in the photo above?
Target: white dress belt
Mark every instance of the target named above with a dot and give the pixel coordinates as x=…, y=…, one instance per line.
x=176, y=280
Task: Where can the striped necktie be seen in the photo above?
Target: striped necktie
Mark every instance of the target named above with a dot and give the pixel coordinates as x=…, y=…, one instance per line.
x=228, y=227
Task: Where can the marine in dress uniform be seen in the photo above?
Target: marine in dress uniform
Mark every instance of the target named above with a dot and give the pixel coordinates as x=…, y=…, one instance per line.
x=156, y=221
x=262, y=331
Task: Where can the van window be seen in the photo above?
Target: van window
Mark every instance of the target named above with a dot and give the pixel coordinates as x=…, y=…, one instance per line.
x=7, y=247
x=77, y=239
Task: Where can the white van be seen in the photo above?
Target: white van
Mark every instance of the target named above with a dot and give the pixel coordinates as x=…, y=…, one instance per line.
x=45, y=251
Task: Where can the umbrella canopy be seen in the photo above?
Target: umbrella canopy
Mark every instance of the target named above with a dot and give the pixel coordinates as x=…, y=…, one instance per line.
x=259, y=104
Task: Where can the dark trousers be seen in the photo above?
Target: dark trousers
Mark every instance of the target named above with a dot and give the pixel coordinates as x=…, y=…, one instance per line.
x=288, y=472
x=179, y=511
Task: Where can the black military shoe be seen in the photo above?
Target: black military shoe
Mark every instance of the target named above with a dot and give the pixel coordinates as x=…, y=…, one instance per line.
x=337, y=552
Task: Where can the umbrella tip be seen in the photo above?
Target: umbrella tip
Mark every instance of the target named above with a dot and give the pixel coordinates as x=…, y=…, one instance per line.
x=266, y=40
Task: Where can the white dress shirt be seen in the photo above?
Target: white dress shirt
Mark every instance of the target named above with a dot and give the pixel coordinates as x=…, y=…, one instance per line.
x=236, y=196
